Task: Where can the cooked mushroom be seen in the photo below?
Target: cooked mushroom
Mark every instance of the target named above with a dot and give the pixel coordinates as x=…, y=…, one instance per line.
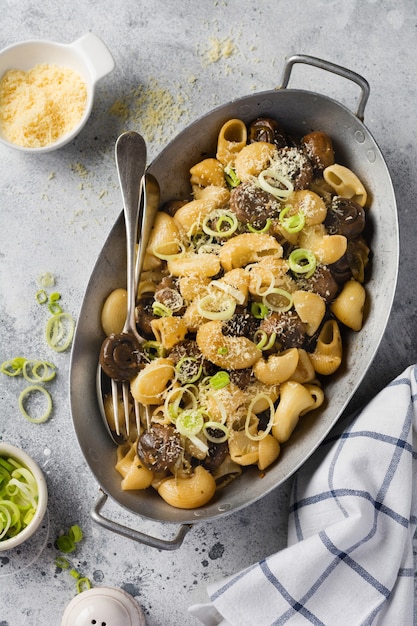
x=290, y=330
x=120, y=356
x=319, y=148
x=216, y=454
x=345, y=217
x=294, y=165
x=159, y=447
x=267, y=129
x=241, y=324
x=145, y=315
x=253, y=205
x=321, y=282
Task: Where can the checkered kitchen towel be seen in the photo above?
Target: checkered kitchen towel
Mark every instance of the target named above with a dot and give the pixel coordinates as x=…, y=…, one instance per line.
x=353, y=515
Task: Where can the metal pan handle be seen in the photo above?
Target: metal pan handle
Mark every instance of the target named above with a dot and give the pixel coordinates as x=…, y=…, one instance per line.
x=330, y=67
x=130, y=533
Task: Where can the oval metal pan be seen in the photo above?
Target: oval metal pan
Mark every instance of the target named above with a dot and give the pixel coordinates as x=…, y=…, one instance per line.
x=299, y=112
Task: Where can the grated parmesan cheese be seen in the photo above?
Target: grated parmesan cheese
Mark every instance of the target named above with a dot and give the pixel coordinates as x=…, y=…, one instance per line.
x=41, y=105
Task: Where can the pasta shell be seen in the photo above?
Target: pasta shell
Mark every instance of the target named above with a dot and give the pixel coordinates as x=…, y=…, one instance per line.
x=349, y=304
x=190, y=492
x=269, y=450
x=113, y=314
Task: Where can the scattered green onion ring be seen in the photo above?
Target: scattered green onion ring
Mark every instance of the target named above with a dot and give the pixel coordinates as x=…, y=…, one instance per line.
x=65, y=544
x=265, y=229
x=292, y=223
x=75, y=533
x=221, y=216
x=30, y=390
x=188, y=369
x=264, y=342
x=41, y=296
x=219, y=380
x=259, y=310
x=60, y=331
x=231, y=177
x=153, y=349
x=38, y=371
x=223, y=350
x=61, y=562
x=214, y=308
x=302, y=261
x=273, y=189
x=161, y=310
x=13, y=367
x=216, y=426
x=83, y=584
x=282, y=294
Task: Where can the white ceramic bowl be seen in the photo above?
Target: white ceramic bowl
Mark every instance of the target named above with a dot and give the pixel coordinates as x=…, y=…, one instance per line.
x=88, y=56
x=8, y=450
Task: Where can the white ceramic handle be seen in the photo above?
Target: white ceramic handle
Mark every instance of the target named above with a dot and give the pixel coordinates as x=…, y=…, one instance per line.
x=96, y=55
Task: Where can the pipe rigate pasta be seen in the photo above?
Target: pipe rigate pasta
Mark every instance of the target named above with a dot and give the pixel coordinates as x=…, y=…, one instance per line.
x=328, y=352
x=345, y=183
x=263, y=272
x=230, y=141
x=295, y=400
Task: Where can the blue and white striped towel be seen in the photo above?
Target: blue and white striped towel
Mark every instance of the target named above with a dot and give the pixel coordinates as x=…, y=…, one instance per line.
x=352, y=524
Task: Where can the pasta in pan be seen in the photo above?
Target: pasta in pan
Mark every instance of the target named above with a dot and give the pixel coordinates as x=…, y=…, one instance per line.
x=249, y=285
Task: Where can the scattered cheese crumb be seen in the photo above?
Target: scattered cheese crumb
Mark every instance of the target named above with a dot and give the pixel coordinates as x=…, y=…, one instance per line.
x=218, y=50
x=79, y=169
x=40, y=106
x=153, y=109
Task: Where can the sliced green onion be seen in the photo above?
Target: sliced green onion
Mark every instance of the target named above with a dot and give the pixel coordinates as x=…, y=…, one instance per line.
x=274, y=188
x=264, y=342
x=18, y=497
x=61, y=562
x=65, y=544
x=60, y=331
x=231, y=177
x=161, y=310
x=188, y=369
x=216, y=426
x=83, y=584
x=220, y=217
x=212, y=307
x=46, y=280
x=75, y=533
x=223, y=350
x=153, y=349
x=278, y=295
x=292, y=223
x=74, y=573
x=302, y=261
x=260, y=230
x=219, y=380
x=38, y=371
x=189, y=424
x=41, y=296
x=13, y=367
x=259, y=310
x=33, y=389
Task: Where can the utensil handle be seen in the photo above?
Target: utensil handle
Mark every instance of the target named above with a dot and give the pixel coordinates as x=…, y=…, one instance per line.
x=330, y=67
x=131, y=533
